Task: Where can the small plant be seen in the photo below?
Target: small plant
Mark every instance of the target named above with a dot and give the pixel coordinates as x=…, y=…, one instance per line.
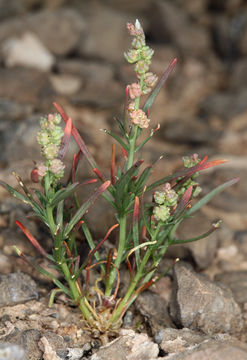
x=147, y=215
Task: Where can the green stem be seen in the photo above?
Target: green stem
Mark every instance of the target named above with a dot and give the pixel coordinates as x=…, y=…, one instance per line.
x=125, y=302
x=76, y=293
x=120, y=253
x=132, y=148
x=132, y=141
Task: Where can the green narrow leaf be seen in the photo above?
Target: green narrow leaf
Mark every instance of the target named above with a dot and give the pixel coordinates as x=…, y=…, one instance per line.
x=135, y=231
x=211, y=195
x=117, y=138
x=83, y=209
x=36, y=207
x=62, y=194
x=41, y=197
x=141, y=181
x=122, y=184
x=202, y=236
x=59, y=215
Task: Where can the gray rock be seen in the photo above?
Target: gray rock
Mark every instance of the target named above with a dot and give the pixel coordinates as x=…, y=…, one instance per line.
x=200, y=304
x=204, y=250
x=17, y=288
x=170, y=23
x=107, y=37
x=225, y=105
x=26, y=86
x=11, y=352
x=154, y=309
x=10, y=110
x=214, y=350
x=237, y=282
x=175, y=341
x=60, y=30
x=129, y=346
x=10, y=8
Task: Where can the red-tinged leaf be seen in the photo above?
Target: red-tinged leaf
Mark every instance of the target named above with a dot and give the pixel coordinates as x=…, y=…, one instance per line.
x=144, y=287
x=66, y=138
x=99, y=174
x=125, y=153
x=144, y=233
x=113, y=164
x=75, y=163
x=91, y=181
x=31, y=238
x=136, y=210
x=92, y=252
x=184, y=202
x=202, y=165
x=159, y=85
x=77, y=137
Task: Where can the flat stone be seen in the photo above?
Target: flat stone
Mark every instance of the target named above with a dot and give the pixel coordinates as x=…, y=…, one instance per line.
x=178, y=340
x=200, y=304
x=17, y=288
x=214, y=350
x=27, y=51
x=129, y=346
x=10, y=351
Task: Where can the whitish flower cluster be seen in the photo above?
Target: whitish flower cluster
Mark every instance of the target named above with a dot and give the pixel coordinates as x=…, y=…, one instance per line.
x=140, y=55
x=188, y=162
x=164, y=200
x=49, y=137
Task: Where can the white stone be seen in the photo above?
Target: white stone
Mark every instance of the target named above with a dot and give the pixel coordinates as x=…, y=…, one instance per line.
x=28, y=51
x=66, y=84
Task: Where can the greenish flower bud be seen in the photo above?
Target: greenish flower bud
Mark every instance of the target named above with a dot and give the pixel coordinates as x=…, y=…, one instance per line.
x=132, y=56
x=196, y=191
x=146, y=52
x=161, y=213
x=171, y=198
x=138, y=42
x=43, y=138
x=56, y=135
x=150, y=79
x=159, y=197
x=190, y=161
x=141, y=67
x=50, y=151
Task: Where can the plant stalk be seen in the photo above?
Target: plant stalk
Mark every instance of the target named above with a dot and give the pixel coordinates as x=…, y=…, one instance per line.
x=120, y=253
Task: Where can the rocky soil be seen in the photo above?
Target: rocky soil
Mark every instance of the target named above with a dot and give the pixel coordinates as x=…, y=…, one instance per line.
x=71, y=52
